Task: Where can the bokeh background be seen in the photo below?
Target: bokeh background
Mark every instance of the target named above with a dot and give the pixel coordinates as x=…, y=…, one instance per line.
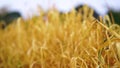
x=29, y=8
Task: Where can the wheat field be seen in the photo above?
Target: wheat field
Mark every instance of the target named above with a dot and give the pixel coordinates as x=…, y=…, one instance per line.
x=54, y=40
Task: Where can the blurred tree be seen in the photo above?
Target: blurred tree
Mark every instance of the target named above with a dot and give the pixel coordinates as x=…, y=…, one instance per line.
x=95, y=14
x=9, y=18
x=116, y=16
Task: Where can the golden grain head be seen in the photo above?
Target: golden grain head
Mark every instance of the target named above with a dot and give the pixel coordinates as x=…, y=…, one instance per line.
x=54, y=40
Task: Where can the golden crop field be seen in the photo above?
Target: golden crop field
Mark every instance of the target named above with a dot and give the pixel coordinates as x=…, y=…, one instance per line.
x=54, y=40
